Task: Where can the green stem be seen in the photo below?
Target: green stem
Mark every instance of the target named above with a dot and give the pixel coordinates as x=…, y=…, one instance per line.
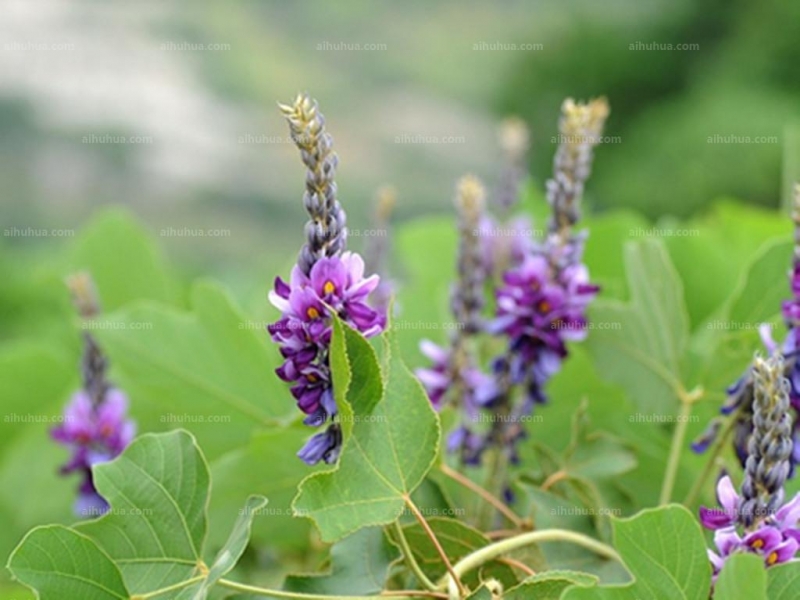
x=250, y=589
x=409, y=556
x=678, y=440
x=492, y=551
x=721, y=442
x=171, y=588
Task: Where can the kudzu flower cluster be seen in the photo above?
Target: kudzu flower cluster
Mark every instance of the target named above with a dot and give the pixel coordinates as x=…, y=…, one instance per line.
x=756, y=520
x=326, y=281
x=95, y=426
x=541, y=301
x=741, y=394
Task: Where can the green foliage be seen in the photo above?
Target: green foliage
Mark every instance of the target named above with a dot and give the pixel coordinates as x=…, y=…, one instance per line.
x=390, y=449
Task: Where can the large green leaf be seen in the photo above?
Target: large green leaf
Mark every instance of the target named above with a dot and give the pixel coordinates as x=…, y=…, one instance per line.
x=384, y=459
x=359, y=565
x=641, y=345
x=783, y=581
x=764, y=287
x=743, y=576
x=61, y=563
x=665, y=551
x=123, y=260
x=206, y=370
x=158, y=492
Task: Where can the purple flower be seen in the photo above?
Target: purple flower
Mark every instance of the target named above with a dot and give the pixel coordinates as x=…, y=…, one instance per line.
x=94, y=433
x=728, y=499
x=775, y=537
x=334, y=285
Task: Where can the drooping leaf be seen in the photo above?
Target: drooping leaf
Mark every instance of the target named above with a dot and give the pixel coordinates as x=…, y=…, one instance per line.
x=60, y=563
x=359, y=566
x=665, y=551
x=385, y=458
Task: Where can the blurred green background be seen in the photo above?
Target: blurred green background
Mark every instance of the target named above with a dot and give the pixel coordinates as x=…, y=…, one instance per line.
x=195, y=84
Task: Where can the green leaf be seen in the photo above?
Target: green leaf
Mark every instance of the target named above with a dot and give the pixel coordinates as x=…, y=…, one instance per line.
x=359, y=566
x=390, y=450
x=766, y=284
x=743, y=576
x=206, y=370
x=665, y=551
x=267, y=465
x=155, y=529
x=640, y=345
x=61, y=563
x=457, y=540
x=550, y=585
x=123, y=260
x=783, y=581
x=233, y=549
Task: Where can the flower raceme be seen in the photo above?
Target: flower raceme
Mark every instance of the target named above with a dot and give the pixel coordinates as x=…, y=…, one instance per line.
x=95, y=426
x=326, y=281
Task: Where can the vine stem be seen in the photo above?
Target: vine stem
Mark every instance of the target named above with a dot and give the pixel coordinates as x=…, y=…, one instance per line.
x=492, y=551
x=409, y=556
x=678, y=440
x=258, y=591
x=501, y=506
x=722, y=440
x=434, y=540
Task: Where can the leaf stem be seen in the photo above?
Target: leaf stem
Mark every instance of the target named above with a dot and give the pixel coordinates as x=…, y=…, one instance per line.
x=722, y=440
x=171, y=588
x=409, y=556
x=492, y=551
x=678, y=440
x=501, y=506
x=257, y=591
x=442, y=554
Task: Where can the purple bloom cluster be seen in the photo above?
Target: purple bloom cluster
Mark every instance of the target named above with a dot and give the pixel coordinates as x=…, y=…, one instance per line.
x=335, y=285
x=539, y=309
x=776, y=538
x=95, y=433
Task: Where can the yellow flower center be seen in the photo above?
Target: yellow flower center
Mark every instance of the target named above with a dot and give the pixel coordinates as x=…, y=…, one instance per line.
x=329, y=288
x=772, y=558
x=312, y=313
x=544, y=306
x=758, y=544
